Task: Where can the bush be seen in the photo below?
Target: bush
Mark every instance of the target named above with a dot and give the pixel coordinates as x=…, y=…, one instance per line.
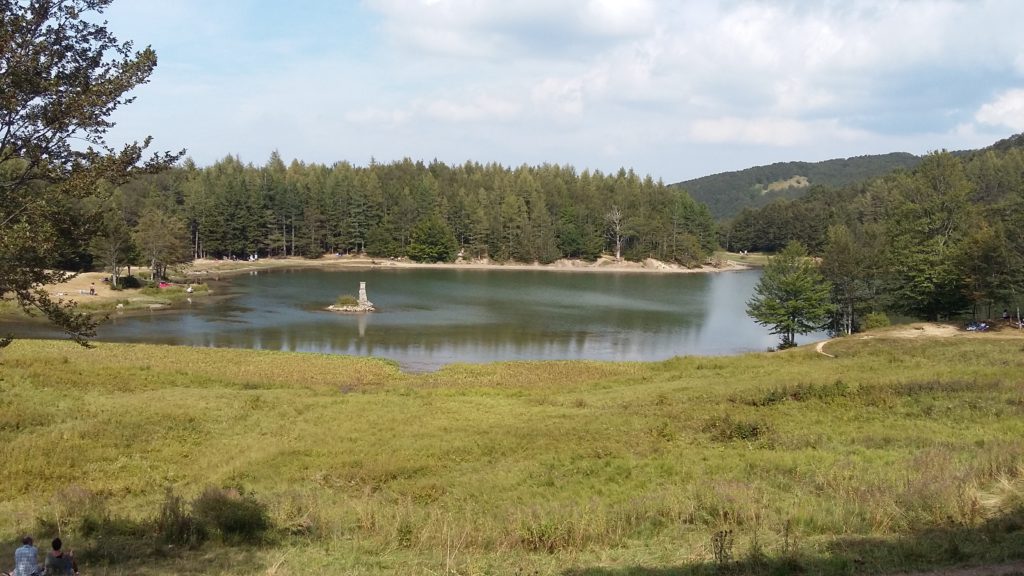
x=238, y=517
x=129, y=282
x=797, y=393
x=726, y=428
x=297, y=514
x=346, y=300
x=177, y=526
x=875, y=320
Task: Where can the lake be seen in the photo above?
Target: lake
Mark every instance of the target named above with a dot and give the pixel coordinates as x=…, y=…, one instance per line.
x=427, y=318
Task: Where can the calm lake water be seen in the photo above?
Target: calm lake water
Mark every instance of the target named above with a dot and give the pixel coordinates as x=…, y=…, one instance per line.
x=431, y=317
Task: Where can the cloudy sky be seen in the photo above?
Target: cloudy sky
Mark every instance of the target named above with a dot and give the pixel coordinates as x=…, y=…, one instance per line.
x=672, y=88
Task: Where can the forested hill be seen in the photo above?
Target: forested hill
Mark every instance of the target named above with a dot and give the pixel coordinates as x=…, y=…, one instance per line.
x=728, y=193
x=941, y=239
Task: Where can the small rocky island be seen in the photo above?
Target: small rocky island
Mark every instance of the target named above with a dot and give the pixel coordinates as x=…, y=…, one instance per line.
x=349, y=304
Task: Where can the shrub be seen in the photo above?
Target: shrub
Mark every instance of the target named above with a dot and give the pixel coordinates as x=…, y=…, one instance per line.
x=129, y=282
x=175, y=525
x=298, y=514
x=238, y=517
x=721, y=546
x=875, y=320
x=346, y=300
x=797, y=393
x=727, y=428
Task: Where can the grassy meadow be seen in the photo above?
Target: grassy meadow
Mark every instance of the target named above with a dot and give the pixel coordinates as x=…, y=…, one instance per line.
x=898, y=454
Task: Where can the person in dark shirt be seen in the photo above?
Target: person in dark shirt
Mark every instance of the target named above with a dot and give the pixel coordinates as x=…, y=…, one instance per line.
x=58, y=563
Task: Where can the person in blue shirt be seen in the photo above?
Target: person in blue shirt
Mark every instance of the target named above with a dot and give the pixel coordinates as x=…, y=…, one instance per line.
x=26, y=559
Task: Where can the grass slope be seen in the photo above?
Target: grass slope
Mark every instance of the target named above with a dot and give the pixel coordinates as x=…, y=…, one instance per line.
x=897, y=454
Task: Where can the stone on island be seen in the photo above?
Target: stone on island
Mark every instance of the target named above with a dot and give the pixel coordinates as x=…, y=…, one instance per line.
x=364, y=304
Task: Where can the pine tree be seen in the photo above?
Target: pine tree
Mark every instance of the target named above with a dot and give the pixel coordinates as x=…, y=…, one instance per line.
x=792, y=297
x=432, y=240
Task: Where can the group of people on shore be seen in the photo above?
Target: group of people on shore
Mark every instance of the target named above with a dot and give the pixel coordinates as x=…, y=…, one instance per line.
x=57, y=562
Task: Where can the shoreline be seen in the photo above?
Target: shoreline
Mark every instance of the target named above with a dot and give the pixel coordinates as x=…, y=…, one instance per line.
x=205, y=268
x=104, y=300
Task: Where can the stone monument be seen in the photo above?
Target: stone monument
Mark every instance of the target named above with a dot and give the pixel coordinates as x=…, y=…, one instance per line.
x=363, y=301
x=362, y=305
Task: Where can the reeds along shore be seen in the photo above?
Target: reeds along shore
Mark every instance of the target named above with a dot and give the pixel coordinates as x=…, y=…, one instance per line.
x=897, y=454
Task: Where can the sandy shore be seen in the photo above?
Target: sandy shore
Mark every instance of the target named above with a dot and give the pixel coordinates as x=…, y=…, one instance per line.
x=205, y=268
x=78, y=288
x=89, y=288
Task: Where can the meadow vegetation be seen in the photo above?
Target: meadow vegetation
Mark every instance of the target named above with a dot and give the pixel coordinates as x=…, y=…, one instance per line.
x=898, y=454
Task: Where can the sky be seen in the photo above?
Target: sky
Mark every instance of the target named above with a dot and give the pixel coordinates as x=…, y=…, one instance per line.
x=676, y=89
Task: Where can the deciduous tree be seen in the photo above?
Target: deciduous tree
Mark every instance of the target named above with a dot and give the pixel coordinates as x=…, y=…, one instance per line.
x=163, y=241
x=61, y=77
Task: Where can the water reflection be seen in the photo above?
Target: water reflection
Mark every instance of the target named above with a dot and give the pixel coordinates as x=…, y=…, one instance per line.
x=428, y=318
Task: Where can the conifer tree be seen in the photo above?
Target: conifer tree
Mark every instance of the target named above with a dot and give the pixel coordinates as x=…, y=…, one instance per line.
x=792, y=296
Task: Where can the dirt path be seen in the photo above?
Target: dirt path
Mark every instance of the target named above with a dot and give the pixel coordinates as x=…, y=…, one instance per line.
x=820, y=348
x=927, y=330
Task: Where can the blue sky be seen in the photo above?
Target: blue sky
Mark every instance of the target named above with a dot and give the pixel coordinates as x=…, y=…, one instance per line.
x=675, y=89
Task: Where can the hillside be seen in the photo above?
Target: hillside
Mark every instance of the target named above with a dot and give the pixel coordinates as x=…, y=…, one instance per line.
x=728, y=193
x=900, y=452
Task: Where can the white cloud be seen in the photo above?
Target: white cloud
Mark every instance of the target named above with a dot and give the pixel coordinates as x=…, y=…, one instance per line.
x=568, y=96
x=373, y=115
x=620, y=17
x=769, y=131
x=794, y=95
x=677, y=87
x=476, y=29
x=1006, y=110
x=480, y=109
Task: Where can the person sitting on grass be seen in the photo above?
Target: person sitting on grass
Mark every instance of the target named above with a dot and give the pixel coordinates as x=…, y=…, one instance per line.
x=26, y=559
x=59, y=563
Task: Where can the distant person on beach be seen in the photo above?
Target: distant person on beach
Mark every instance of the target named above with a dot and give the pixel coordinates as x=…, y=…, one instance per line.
x=57, y=562
x=92, y=289
x=26, y=559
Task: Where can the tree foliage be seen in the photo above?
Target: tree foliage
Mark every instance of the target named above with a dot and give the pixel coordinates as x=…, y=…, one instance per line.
x=941, y=240
x=161, y=239
x=528, y=214
x=61, y=77
x=792, y=296
x=432, y=241
x=850, y=262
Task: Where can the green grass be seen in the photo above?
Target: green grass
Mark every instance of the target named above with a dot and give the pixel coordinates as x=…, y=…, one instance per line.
x=755, y=259
x=896, y=455
x=346, y=300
